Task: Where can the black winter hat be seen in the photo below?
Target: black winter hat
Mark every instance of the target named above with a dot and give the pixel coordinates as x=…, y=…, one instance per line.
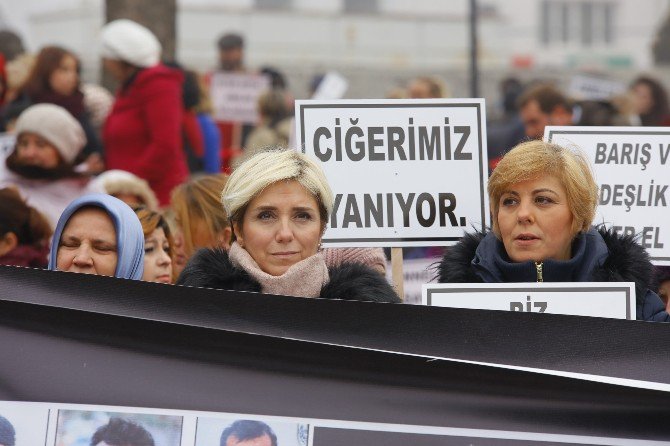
x=7, y=433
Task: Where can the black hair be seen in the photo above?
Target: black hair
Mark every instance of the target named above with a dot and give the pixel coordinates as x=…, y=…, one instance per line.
x=230, y=41
x=120, y=432
x=248, y=430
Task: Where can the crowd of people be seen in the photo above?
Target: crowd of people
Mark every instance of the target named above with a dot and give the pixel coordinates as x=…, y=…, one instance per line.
x=145, y=185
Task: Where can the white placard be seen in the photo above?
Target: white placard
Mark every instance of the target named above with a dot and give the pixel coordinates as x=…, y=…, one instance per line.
x=594, y=88
x=614, y=300
x=235, y=96
x=415, y=273
x=332, y=86
x=632, y=168
x=404, y=172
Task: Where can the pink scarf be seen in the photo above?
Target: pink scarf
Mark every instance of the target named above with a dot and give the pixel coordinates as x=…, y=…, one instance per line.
x=303, y=279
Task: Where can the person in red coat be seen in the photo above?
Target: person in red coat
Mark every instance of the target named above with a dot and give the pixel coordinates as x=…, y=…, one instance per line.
x=142, y=134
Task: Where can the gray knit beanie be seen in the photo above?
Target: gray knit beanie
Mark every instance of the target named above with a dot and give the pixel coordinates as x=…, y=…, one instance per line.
x=7, y=433
x=56, y=125
x=130, y=42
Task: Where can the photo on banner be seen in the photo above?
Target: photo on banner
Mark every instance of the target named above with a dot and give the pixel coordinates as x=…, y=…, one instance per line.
x=404, y=172
x=98, y=428
x=240, y=430
x=23, y=425
x=631, y=166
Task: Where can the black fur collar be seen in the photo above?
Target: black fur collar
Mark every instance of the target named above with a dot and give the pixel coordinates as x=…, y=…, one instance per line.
x=211, y=268
x=627, y=262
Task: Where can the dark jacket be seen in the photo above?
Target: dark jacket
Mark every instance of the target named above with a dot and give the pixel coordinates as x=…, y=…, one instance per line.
x=598, y=255
x=211, y=268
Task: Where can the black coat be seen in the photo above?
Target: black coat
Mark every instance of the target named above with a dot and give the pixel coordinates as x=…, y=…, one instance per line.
x=211, y=268
x=599, y=255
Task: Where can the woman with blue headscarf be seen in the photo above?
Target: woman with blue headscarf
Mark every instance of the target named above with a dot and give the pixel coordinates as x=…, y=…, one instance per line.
x=98, y=234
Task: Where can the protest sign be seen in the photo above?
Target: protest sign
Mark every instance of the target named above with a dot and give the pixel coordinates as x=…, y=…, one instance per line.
x=404, y=172
x=614, y=300
x=416, y=273
x=332, y=86
x=631, y=166
x=594, y=88
x=170, y=356
x=235, y=96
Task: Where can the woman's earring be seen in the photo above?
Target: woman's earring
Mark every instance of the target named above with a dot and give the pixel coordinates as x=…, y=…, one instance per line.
x=318, y=248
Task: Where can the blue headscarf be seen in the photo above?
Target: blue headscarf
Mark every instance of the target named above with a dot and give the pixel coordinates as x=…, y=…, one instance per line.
x=129, y=235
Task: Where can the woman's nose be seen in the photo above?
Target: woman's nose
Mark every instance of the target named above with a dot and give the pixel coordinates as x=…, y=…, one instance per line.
x=525, y=212
x=83, y=257
x=284, y=231
x=164, y=259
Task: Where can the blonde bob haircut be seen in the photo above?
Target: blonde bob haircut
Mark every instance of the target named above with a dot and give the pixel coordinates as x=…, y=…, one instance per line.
x=532, y=159
x=268, y=167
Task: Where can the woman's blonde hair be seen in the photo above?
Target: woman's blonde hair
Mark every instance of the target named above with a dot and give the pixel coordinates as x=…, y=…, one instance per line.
x=198, y=199
x=532, y=159
x=265, y=168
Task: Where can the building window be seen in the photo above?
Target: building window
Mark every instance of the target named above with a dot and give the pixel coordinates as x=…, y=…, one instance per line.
x=360, y=6
x=273, y=4
x=587, y=22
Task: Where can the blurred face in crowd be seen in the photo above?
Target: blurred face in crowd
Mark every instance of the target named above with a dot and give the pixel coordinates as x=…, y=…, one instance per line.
x=419, y=89
x=157, y=261
x=179, y=257
x=33, y=150
x=131, y=200
x=280, y=227
x=258, y=441
x=643, y=98
x=65, y=77
x=119, y=70
x=88, y=244
x=535, y=220
x=535, y=120
x=664, y=293
x=230, y=59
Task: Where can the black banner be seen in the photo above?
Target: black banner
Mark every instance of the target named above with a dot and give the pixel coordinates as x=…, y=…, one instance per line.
x=69, y=338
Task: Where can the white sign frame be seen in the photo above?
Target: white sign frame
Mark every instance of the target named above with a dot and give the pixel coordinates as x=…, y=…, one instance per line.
x=653, y=227
x=487, y=292
x=310, y=115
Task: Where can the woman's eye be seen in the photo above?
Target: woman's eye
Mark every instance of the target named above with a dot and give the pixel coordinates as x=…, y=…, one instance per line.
x=543, y=200
x=148, y=249
x=264, y=215
x=509, y=201
x=303, y=216
x=166, y=248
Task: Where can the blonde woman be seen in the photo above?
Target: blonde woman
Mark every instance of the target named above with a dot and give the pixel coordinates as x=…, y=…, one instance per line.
x=279, y=203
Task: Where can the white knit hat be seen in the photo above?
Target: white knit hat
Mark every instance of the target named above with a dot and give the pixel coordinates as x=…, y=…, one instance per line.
x=130, y=42
x=115, y=182
x=56, y=125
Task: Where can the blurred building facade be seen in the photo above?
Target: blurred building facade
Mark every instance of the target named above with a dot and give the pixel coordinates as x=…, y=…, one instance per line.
x=378, y=44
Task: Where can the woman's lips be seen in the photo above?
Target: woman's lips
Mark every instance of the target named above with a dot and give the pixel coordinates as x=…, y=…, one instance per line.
x=526, y=239
x=284, y=254
x=165, y=278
